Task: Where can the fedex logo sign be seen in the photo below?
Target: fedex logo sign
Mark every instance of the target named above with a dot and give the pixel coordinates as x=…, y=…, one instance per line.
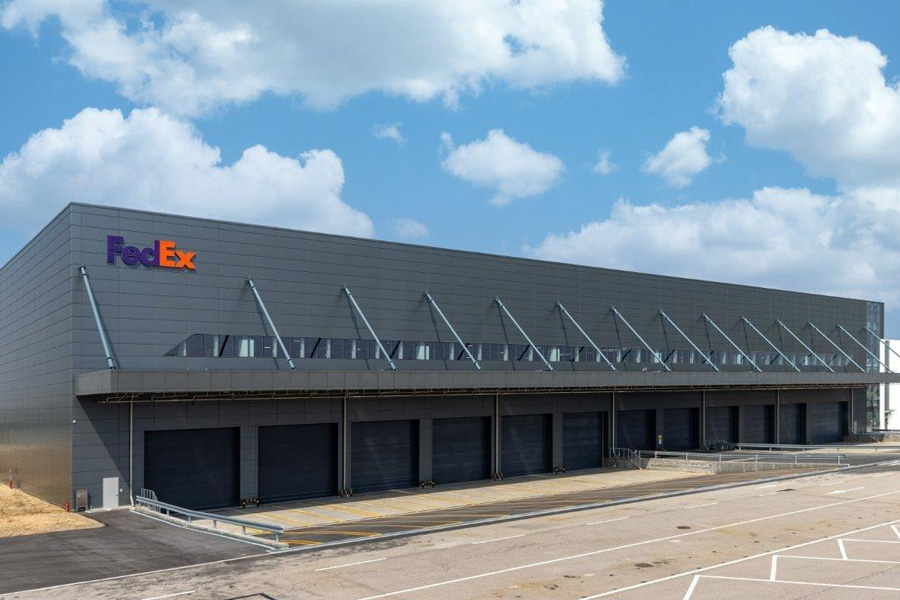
x=163, y=253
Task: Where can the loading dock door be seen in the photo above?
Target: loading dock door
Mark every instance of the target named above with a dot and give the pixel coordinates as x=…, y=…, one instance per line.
x=461, y=449
x=193, y=468
x=829, y=422
x=759, y=425
x=792, y=426
x=384, y=455
x=525, y=445
x=681, y=429
x=636, y=429
x=297, y=461
x=721, y=424
x=583, y=440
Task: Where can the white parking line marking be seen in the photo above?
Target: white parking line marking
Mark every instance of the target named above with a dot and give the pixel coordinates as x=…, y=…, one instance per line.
x=897, y=531
x=509, y=537
x=843, y=549
x=690, y=590
x=770, y=485
x=880, y=475
x=613, y=521
x=735, y=561
x=362, y=562
x=807, y=583
x=700, y=505
x=171, y=595
x=646, y=542
x=845, y=491
x=773, y=569
x=834, y=483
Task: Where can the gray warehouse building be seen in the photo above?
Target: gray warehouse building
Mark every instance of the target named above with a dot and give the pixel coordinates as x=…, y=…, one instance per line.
x=216, y=362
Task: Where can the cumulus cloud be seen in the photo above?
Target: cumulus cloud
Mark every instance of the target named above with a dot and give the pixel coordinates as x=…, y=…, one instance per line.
x=389, y=132
x=823, y=98
x=604, y=165
x=152, y=161
x=513, y=169
x=189, y=57
x=787, y=238
x=409, y=229
x=683, y=157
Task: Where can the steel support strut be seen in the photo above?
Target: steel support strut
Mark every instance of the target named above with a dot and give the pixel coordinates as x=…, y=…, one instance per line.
x=730, y=341
x=522, y=331
x=885, y=344
x=769, y=342
x=689, y=341
x=638, y=336
x=838, y=348
x=453, y=331
x=107, y=349
x=262, y=307
x=563, y=310
x=861, y=345
x=384, y=352
x=808, y=349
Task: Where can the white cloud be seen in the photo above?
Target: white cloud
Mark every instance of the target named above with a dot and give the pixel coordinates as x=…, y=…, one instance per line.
x=823, y=98
x=388, y=132
x=151, y=161
x=189, y=57
x=786, y=238
x=683, y=157
x=409, y=229
x=513, y=169
x=605, y=166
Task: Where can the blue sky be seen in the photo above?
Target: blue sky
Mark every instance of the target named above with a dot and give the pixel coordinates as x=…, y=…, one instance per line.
x=675, y=56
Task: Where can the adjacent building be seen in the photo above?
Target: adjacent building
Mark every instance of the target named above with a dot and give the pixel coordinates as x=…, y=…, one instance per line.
x=216, y=362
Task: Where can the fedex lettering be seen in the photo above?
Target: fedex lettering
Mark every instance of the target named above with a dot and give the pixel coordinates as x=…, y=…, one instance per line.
x=163, y=253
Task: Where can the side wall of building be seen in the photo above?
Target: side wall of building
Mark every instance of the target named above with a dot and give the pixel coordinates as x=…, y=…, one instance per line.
x=36, y=387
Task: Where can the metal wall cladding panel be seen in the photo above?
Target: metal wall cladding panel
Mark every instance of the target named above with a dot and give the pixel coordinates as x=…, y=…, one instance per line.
x=759, y=424
x=384, y=455
x=36, y=378
x=792, y=424
x=193, y=468
x=636, y=429
x=829, y=422
x=722, y=424
x=681, y=429
x=461, y=449
x=583, y=440
x=300, y=275
x=525, y=445
x=297, y=461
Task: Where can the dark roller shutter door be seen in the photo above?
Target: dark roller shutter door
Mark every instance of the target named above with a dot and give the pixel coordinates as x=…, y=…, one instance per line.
x=193, y=468
x=384, y=455
x=829, y=422
x=721, y=424
x=792, y=424
x=681, y=429
x=636, y=429
x=583, y=440
x=297, y=461
x=525, y=444
x=759, y=424
x=461, y=449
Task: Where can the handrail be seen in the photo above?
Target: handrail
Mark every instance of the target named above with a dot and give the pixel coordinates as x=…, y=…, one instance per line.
x=627, y=454
x=794, y=458
x=168, y=509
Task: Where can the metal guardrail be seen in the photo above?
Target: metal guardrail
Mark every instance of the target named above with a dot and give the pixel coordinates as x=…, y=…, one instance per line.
x=838, y=459
x=627, y=454
x=191, y=515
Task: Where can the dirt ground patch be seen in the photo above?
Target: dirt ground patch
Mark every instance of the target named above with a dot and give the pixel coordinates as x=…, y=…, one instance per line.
x=22, y=514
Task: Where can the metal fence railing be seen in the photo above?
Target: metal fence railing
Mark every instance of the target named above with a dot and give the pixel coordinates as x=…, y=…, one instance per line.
x=628, y=455
x=195, y=515
x=767, y=457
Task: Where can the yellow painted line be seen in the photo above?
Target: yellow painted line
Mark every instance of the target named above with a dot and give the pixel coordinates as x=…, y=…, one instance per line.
x=300, y=522
x=301, y=543
x=342, y=532
x=315, y=515
x=351, y=510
